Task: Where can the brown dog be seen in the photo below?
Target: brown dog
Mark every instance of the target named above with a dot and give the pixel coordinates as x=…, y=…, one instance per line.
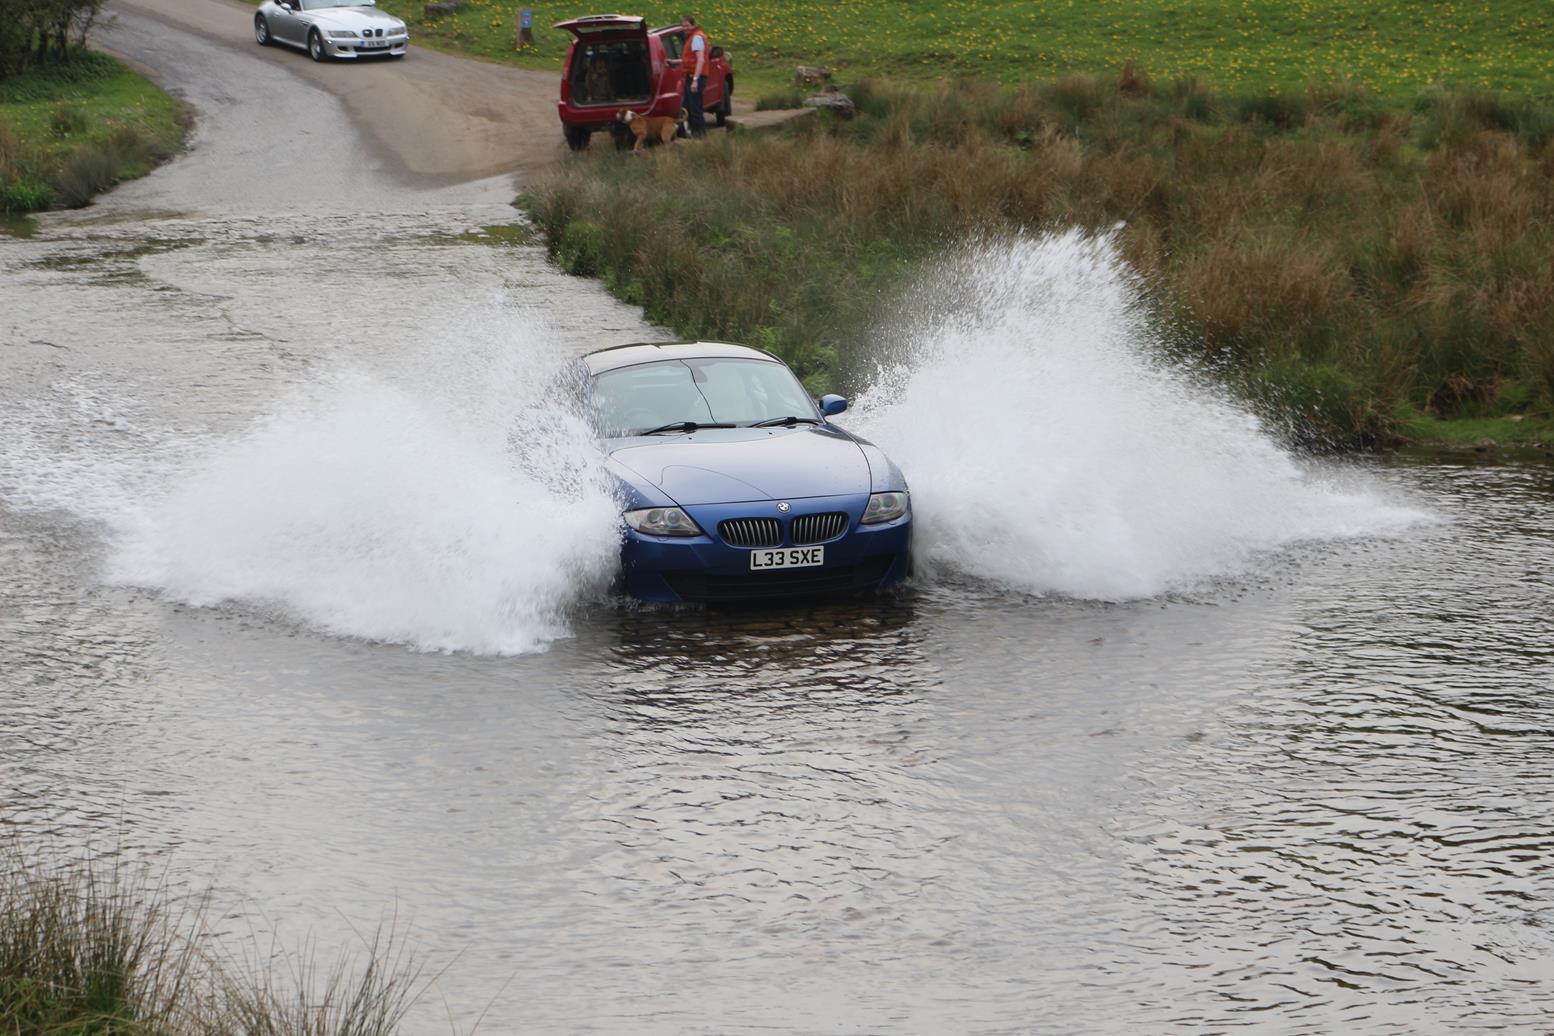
x=643, y=127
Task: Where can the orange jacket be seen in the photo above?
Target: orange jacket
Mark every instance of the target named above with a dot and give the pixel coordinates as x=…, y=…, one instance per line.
x=688, y=56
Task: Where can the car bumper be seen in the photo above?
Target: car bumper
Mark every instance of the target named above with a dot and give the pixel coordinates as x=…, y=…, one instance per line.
x=603, y=117
x=357, y=48
x=705, y=569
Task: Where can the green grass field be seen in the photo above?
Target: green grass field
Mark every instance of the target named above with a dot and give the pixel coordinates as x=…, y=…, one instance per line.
x=1391, y=48
x=70, y=130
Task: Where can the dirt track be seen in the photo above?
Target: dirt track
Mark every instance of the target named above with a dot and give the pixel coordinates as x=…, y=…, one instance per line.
x=442, y=117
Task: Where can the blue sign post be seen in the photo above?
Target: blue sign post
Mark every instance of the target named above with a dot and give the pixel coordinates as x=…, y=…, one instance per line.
x=525, y=29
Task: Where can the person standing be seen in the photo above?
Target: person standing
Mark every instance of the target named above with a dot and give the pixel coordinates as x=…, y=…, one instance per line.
x=693, y=60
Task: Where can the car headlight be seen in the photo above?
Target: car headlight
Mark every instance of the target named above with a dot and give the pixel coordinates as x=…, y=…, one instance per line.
x=885, y=507
x=662, y=521
x=341, y=34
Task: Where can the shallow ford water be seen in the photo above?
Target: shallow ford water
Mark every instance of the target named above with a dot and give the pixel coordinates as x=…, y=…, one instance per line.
x=1312, y=794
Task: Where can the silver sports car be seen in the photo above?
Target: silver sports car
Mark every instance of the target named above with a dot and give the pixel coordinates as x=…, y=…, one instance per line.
x=331, y=28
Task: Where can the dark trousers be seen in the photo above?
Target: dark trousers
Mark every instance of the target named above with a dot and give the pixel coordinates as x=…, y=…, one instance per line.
x=696, y=117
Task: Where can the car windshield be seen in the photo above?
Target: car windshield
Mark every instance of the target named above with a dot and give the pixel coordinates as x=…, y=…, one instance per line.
x=319, y=5
x=722, y=390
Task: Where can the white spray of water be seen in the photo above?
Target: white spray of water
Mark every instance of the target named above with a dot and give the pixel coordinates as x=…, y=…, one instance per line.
x=1050, y=450
x=412, y=504
x=364, y=509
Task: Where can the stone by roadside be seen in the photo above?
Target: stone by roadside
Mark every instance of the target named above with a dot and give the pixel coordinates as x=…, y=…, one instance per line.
x=769, y=119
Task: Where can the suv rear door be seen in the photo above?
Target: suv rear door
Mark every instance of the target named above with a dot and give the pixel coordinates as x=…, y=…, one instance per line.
x=622, y=41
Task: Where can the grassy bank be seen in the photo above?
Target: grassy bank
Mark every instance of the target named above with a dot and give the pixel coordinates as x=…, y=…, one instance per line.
x=1359, y=264
x=1393, y=48
x=72, y=129
x=91, y=950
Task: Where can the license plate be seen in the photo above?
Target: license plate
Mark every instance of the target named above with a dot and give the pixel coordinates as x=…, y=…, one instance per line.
x=788, y=557
x=375, y=43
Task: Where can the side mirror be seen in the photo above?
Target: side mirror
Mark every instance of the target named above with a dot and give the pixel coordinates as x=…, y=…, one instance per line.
x=716, y=52
x=832, y=405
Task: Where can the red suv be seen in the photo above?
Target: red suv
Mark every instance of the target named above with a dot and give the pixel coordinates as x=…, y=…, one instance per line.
x=616, y=62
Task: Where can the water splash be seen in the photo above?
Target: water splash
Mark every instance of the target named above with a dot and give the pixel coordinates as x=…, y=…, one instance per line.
x=410, y=504
x=1051, y=450
x=365, y=509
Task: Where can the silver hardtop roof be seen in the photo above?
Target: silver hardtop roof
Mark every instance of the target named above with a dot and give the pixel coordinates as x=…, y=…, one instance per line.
x=651, y=352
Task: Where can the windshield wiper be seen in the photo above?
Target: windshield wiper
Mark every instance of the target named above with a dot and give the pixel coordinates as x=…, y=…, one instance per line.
x=683, y=426
x=789, y=420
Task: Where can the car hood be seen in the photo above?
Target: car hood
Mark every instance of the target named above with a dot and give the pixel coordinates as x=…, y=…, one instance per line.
x=354, y=18
x=732, y=465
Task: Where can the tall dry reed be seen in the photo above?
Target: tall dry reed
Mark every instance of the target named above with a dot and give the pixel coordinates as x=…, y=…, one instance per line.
x=1370, y=255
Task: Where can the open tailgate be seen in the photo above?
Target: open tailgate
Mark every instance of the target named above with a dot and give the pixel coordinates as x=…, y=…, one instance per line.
x=601, y=24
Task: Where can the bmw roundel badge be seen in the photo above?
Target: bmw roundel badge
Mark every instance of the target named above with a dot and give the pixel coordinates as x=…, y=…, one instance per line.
x=785, y=507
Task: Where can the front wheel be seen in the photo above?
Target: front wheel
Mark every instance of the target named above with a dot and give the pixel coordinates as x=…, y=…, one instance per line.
x=726, y=106
x=577, y=138
x=262, y=31
x=316, y=46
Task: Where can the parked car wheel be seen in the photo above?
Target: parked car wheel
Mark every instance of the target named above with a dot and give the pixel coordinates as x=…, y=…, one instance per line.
x=316, y=46
x=577, y=139
x=726, y=106
x=262, y=30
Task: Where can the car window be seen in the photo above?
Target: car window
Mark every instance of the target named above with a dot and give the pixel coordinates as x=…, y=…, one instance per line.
x=633, y=400
x=673, y=42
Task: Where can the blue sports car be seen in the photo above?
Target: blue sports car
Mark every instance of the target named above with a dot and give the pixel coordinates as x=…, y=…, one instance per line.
x=736, y=486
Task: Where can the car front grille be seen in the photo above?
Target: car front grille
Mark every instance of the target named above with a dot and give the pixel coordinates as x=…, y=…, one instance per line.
x=817, y=528
x=784, y=583
x=751, y=532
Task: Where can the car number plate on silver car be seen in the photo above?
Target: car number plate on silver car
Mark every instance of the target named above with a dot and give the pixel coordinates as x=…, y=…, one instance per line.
x=374, y=43
x=791, y=557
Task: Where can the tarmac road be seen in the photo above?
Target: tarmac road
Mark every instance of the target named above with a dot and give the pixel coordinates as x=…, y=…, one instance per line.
x=442, y=119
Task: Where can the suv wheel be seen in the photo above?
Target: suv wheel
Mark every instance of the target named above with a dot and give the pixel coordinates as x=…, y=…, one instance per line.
x=577, y=138
x=726, y=106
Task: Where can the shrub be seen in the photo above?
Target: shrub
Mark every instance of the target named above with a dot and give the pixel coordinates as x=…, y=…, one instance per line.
x=1454, y=115
x=88, y=171
x=85, y=951
x=67, y=120
x=1076, y=99
x=18, y=196
x=1134, y=82
x=1319, y=406
x=581, y=251
x=1280, y=109
x=88, y=949
x=1340, y=260
x=58, y=78
x=781, y=99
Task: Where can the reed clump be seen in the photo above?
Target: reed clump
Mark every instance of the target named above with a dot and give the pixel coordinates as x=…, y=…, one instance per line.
x=1344, y=259
x=103, y=949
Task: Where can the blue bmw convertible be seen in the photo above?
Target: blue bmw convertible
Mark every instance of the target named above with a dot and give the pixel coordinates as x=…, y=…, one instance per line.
x=736, y=486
